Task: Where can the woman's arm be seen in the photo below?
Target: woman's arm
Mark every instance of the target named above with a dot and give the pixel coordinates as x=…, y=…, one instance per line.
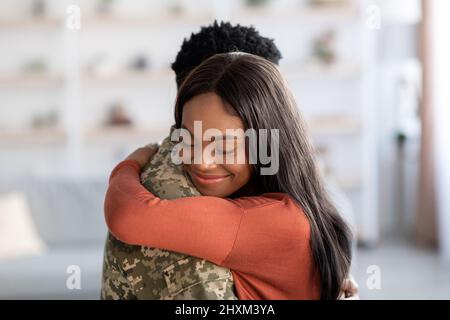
x=186, y=225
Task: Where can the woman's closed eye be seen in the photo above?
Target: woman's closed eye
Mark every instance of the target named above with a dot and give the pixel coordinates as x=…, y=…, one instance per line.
x=225, y=150
x=226, y=146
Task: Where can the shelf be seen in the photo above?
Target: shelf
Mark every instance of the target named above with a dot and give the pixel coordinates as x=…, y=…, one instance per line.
x=24, y=22
x=35, y=137
x=157, y=21
x=47, y=80
x=125, y=135
x=292, y=72
x=310, y=71
x=30, y=80
x=339, y=71
x=334, y=125
x=325, y=13
x=129, y=77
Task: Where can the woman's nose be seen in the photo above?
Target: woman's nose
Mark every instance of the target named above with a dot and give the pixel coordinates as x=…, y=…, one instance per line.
x=207, y=161
x=204, y=167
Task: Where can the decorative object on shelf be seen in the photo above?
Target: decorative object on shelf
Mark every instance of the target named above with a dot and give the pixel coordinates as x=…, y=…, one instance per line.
x=18, y=233
x=102, y=65
x=324, y=48
x=118, y=115
x=48, y=119
x=256, y=3
x=104, y=7
x=176, y=8
x=36, y=65
x=329, y=3
x=140, y=63
x=38, y=8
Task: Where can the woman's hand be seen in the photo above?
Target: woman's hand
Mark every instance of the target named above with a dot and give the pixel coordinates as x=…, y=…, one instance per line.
x=144, y=154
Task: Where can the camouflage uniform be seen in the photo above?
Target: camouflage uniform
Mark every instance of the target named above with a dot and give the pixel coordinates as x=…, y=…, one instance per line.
x=138, y=272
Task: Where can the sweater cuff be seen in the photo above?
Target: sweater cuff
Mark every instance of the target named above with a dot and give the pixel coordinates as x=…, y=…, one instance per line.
x=131, y=163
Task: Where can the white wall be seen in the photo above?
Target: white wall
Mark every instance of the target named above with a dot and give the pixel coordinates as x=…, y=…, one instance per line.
x=440, y=72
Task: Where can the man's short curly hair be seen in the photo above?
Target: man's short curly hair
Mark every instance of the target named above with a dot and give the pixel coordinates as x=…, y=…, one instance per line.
x=221, y=38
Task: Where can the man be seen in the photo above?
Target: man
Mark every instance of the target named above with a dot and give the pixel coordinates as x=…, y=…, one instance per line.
x=135, y=272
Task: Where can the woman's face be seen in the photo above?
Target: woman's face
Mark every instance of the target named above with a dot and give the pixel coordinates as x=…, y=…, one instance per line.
x=209, y=177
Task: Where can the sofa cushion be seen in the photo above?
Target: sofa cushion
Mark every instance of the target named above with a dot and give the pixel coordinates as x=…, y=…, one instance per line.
x=65, y=211
x=18, y=237
x=45, y=276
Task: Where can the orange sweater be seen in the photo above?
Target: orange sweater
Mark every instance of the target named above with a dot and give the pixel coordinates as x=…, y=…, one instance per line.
x=263, y=240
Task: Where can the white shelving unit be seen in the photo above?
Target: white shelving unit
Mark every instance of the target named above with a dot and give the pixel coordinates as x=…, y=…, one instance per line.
x=82, y=96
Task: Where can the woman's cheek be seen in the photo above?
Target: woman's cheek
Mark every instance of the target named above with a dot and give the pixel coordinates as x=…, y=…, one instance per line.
x=241, y=174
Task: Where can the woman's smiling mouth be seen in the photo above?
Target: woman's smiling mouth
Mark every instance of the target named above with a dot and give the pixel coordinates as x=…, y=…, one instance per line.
x=204, y=178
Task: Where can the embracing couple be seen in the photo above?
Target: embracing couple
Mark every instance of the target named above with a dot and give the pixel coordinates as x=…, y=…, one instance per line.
x=206, y=229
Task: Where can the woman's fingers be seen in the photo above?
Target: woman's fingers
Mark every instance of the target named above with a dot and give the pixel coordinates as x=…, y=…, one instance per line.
x=144, y=154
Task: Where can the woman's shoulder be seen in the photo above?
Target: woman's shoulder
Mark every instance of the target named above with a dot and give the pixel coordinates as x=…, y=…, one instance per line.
x=274, y=219
x=267, y=199
x=286, y=208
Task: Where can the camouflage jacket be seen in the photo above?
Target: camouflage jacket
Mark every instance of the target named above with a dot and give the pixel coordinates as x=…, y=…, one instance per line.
x=138, y=272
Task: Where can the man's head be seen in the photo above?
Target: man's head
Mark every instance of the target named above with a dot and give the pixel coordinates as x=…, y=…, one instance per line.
x=221, y=38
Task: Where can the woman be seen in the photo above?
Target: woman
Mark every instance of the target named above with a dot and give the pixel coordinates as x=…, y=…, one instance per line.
x=279, y=234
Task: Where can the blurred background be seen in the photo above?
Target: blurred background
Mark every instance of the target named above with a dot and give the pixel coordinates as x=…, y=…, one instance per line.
x=83, y=83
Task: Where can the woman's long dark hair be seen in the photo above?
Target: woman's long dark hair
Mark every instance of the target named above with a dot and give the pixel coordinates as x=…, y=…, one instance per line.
x=257, y=92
